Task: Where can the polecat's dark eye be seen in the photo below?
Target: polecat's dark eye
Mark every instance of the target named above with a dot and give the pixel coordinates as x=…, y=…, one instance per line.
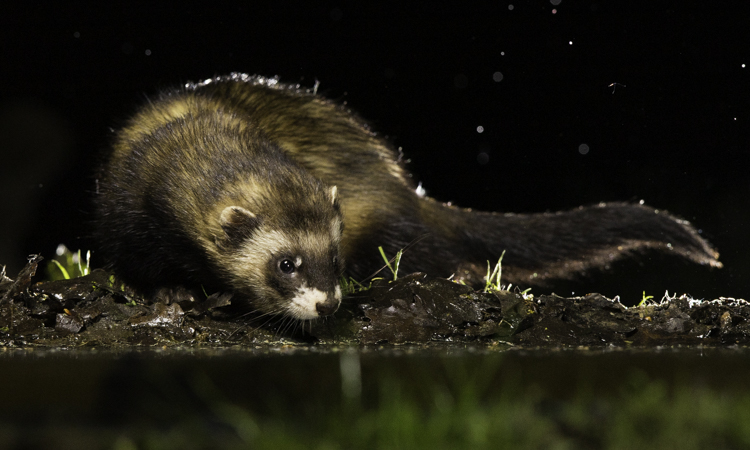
x=286, y=266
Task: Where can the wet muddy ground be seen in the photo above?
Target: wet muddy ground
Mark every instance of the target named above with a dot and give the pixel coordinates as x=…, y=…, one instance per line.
x=418, y=309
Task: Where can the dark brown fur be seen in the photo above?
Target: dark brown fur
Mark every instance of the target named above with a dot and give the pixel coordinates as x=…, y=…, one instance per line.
x=379, y=201
x=195, y=198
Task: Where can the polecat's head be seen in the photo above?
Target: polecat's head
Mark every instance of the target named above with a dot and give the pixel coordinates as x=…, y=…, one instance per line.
x=287, y=260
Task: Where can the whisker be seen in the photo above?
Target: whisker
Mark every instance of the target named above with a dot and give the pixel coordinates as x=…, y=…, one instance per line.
x=280, y=321
x=254, y=318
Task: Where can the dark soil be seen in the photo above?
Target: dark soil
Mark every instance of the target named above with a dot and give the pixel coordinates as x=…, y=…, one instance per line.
x=91, y=311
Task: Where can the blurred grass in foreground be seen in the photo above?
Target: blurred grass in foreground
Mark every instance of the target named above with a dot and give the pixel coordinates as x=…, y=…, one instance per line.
x=444, y=398
x=641, y=414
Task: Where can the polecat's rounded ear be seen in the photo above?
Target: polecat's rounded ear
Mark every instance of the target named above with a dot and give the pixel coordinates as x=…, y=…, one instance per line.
x=238, y=223
x=334, y=195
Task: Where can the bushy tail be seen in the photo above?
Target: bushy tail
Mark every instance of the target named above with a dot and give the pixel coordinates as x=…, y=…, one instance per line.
x=548, y=246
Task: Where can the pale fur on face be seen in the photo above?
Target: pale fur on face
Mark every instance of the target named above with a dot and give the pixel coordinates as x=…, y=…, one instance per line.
x=304, y=304
x=249, y=265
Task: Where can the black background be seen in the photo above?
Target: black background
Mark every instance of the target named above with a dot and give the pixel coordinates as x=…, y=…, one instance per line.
x=673, y=131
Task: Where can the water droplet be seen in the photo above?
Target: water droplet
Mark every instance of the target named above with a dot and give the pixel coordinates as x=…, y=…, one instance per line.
x=480, y=129
x=497, y=76
x=510, y=7
x=583, y=149
x=570, y=42
x=483, y=158
x=148, y=52
x=555, y=2
x=77, y=35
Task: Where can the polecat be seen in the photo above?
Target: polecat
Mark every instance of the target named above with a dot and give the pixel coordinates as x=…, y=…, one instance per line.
x=195, y=196
x=245, y=184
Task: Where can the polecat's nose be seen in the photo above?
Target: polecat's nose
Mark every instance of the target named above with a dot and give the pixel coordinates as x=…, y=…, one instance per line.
x=327, y=308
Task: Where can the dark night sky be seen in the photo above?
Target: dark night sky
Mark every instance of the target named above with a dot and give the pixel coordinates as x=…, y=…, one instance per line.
x=673, y=132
